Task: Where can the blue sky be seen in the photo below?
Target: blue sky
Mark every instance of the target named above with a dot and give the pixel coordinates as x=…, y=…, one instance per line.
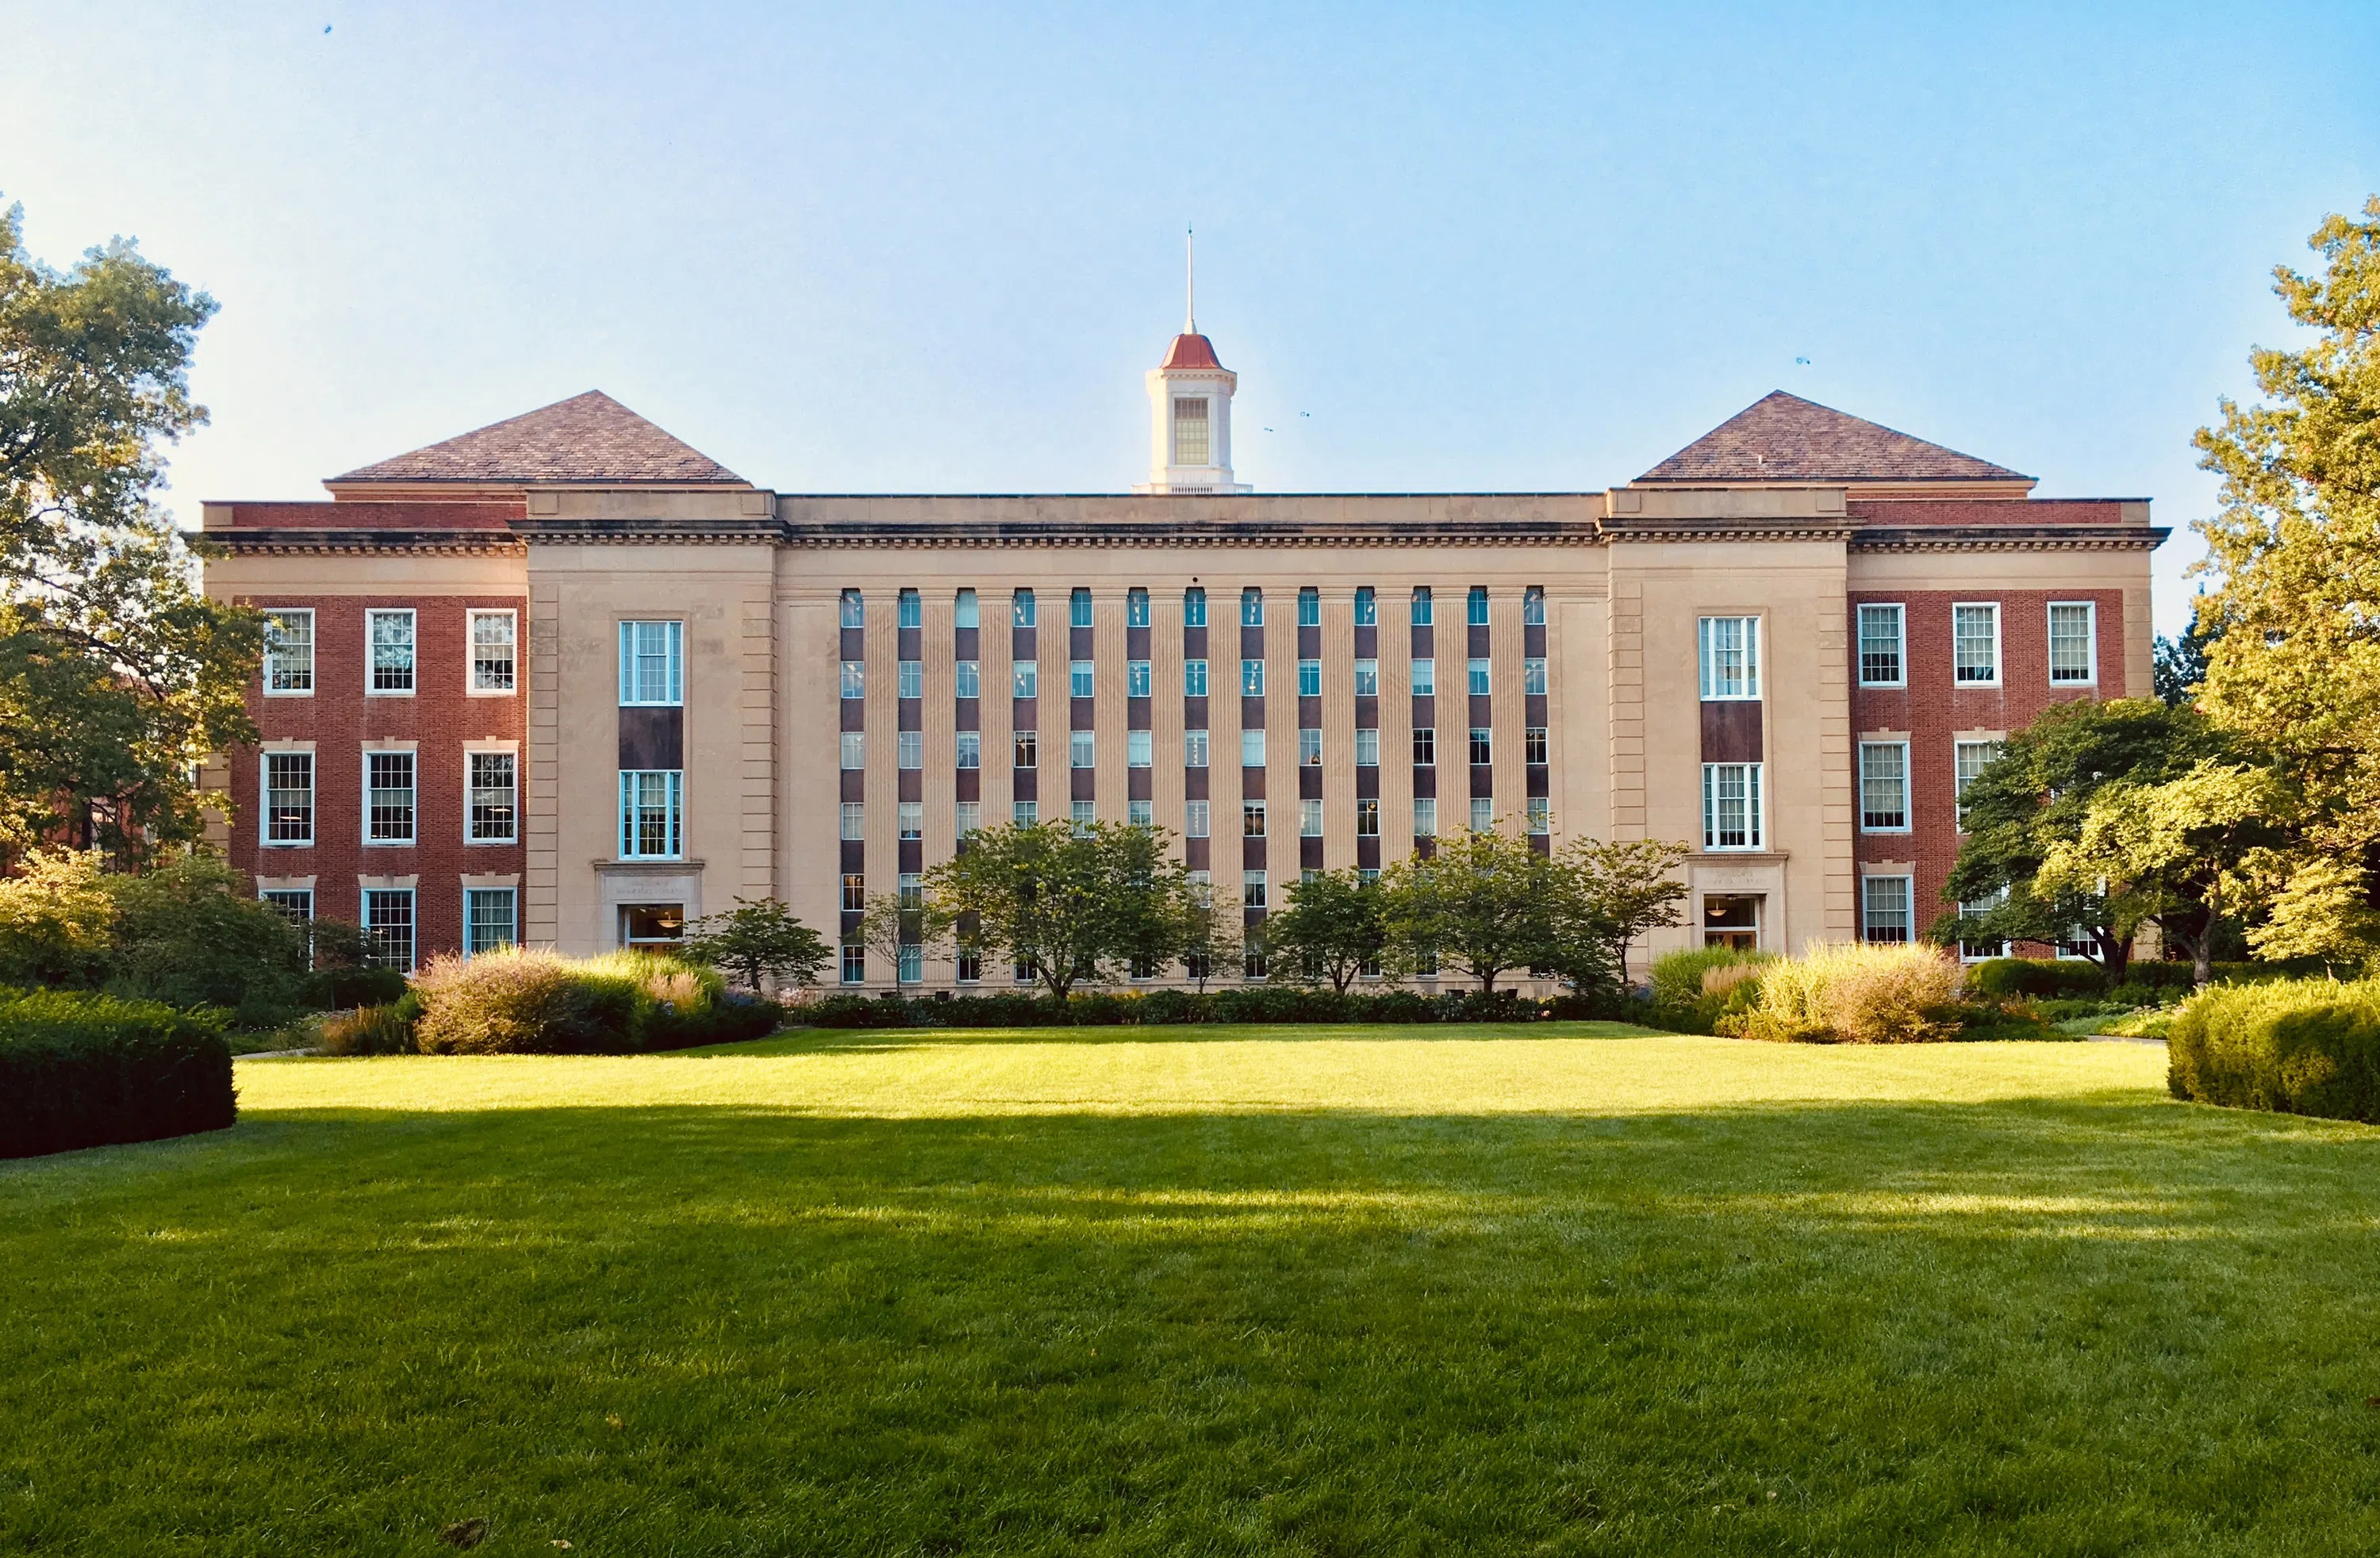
x=887, y=248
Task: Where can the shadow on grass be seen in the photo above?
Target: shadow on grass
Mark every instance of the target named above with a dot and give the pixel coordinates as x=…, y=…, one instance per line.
x=876, y=1040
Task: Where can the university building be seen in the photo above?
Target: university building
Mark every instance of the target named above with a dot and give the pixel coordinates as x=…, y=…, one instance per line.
x=567, y=681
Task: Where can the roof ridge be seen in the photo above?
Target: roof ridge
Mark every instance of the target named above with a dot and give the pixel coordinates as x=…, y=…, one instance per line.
x=1783, y=437
x=588, y=438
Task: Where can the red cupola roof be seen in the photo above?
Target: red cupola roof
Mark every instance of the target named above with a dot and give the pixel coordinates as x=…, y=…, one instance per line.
x=1191, y=351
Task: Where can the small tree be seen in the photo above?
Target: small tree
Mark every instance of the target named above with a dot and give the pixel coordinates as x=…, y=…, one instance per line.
x=1606, y=896
x=892, y=924
x=56, y=920
x=1075, y=900
x=1482, y=903
x=191, y=934
x=754, y=942
x=1209, y=930
x=1330, y=930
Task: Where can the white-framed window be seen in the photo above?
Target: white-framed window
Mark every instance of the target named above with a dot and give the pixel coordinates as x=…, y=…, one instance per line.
x=289, y=798
x=1190, y=441
x=1479, y=675
x=1368, y=818
x=1309, y=819
x=909, y=748
x=970, y=748
x=965, y=610
x=1193, y=679
x=1532, y=675
x=652, y=822
x=911, y=610
x=1476, y=607
x=911, y=885
x=1084, y=813
x=1026, y=679
x=1541, y=815
x=909, y=678
x=1252, y=607
x=1194, y=748
x=1425, y=816
x=1367, y=748
x=1022, y=612
x=1141, y=813
x=1421, y=606
x=1252, y=678
x=1732, y=817
x=912, y=968
x=1309, y=607
x=855, y=891
x=1082, y=678
x=492, y=799
x=970, y=962
x=653, y=665
x=1025, y=748
x=1135, y=608
x=1536, y=748
x=388, y=645
x=854, y=609
x=1883, y=646
x=855, y=750
x=295, y=904
x=1137, y=678
x=1972, y=951
x=1424, y=746
x=289, y=651
x=1975, y=643
x=853, y=681
x=970, y=679
x=1482, y=813
x=2077, y=945
x=1139, y=749
x=491, y=919
x=968, y=818
x=1194, y=607
x=1483, y=745
x=1368, y=678
x=1082, y=749
x=388, y=794
x=1078, y=608
x=1024, y=813
x=1970, y=758
x=855, y=963
x=495, y=653
x=1252, y=748
x=1424, y=678
x=1310, y=747
x=388, y=921
x=1884, y=786
x=1252, y=890
x=1252, y=819
x=1309, y=678
x=2074, y=643
x=1533, y=606
x=909, y=818
x=1887, y=909
x=1194, y=819
x=855, y=819
x=1730, y=654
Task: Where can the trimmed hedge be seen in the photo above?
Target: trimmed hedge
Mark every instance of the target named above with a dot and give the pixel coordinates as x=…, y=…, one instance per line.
x=340, y=990
x=2293, y=1047
x=1166, y=1007
x=84, y=1070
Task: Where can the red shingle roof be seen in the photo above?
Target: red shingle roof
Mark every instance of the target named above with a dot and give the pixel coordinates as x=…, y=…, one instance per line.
x=589, y=438
x=1191, y=351
x=1783, y=437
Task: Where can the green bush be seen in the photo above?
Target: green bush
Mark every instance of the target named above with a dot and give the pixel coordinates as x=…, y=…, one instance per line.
x=1693, y=988
x=1256, y=1004
x=517, y=1001
x=2037, y=976
x=2292, y=1046
x=190, y=934
x=373, y=1031
x=1854, y=992
x=339, y=990
x=84, y=1070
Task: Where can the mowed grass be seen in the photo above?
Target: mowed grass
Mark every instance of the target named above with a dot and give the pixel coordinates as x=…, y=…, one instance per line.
x=1548, y=1289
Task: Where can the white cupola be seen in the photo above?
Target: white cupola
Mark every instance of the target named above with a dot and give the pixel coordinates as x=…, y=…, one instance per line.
x=1190, y=413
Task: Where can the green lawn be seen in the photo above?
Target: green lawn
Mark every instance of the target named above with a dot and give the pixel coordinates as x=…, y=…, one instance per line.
x=1544, y=1289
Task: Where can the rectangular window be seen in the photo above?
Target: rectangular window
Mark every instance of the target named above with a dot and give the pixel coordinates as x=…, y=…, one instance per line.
x=1135, y=608
x=855, y=750
x=1309, y=607
x=970, y=748
x=1193, y=679
x=1141, y=813
x=1021, y=612
x=1252, y=748
x=1424, y=678
x=910, y=749
x=1309, y=819
x=493, y=652
x=1425, y=816
x=494, y=782
x=1252, y=819
x=968, y=818
x=1730, y=657
x=1190, y=430
x=855, y=819
x=1368, y=678
x=289, y=654
x=1027, y=682
x=1475, y=608
x=1078, y=608
x=1252, y=890
x=1970, y=759
x=855, y=963
x=1082, y=749
x=1085, y=814
x=971, y=966
x=855, y=610
x=388, y=778
x=390, y=635
x=1884, y=786
x=1194, y=608
x=1253, y=961
x=912, y=610
x=964, y=610
x=1026, y=749
x=1730, y=805
x=652, y=824
x=1079, y=679
x=653, y=665
x=1476, y=671
x=1252, y=678
x=1482, y=813
x=289, y=797
x=1251, y=608
x=911, y=817
x=1425, y=747
x=1309, y=678
x=855, y=891
x=1025, y=813
x=1135, y=678
x=295, y=904
x=1367, y=819
x=1309, y=748
x=2074, y=657
x=1885, y=905
x=970, y=679
x=1882, y=652
x=912, y=679
x=1541, y=816
x=1194, y=819
x=1421, y=606
x=1483, y=745
x=491, y=919
x=1972, y=951
x=1368, y=607
x=388, y=922
x=912, y=968
x=1533, y=606
x=1534, y=749
x=854, y=680
x=1367, y=748
x=1194, y=748
x=1532, y=675
x=1139, y=749
x=1975, y=644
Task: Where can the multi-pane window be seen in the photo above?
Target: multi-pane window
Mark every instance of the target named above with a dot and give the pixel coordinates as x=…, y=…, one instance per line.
x=1482, y=813
x=1729, y=649
x=1194, y=608
x=496, y=798
x=1367, y=748
x=288, y=797
x=912, y=967
x=1251, y=608
x=1367, y=819
x=1252, y=819
x=653, y=824
x=1252, y=890
x=1193, y=679
x=295, y=904
x=1424, y=678
x=491, y=919
x=855, y=891
x=1367, y=607
x=1424, y=746
x=388, y=923
x=911, y=678
x=1541, y=815
x=912, y=610
x=1135, y=678
x=388, y=797
x=1368, y=678
x=1882, y=647
x=1025, y=813
x=1482, y=746
x=855, y=963
x=1476, y=672
x=855, y=819
x=1975, y=643
x=1970, y=758
x=1252, y=678
x=652, y=663
x=1309, y=678
x=853, y=682
x=1194, y=819
x=1194, y=748
x=1141, y=813
x=1309, y=748
x=1190, y=430
x=1080, y=678
x=1309, y=607
x=2073, y=660
x=1082, y=749
x=1252, y=748
x=1421, y=608
x=288, y=654
x=910, y=815
x=1078, y=608
x=1026, y=679
x=1425, y=816
x=970, y=748
x=1026, y=748
x=970, y=962
x=855, y=750
x=965, y=610
x=909, y=748
x=1534, y=749
x=1884, y=786
x=1309, y=819
x=1022, y=612
x=1085, y=813
x=1885, y=908
x=1475, y=608
x=1973, y=951
x=1533, y=606
x=967, y=818
x=1730, y=805
x=970, y=679
x=1139, y=749
x=1532, y=675
x=494, y=652
x=1135, y=608
x=389, y=635
x=854, y=609
x=1254, y=962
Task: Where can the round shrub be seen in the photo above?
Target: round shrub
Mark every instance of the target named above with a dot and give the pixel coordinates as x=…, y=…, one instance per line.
x=2293, y=1046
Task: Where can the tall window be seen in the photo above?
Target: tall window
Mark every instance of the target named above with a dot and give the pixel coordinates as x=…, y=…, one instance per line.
x=1190, y=442
x=1425, y=816
x=1139, y=749
x=388, y=922
x=1252, y=890
x=1424, y=746
x=1534, y=749
x=1368, y=678
x=289, y=797
x=1975, y=643
x=1309, y=678
x=1193, y=679
x=909, y=818
x=1252, y=819
x=1022, y=612
x=1730, y=657
x=967, y=818
x=1975, y=950
x=1730, y=805
x=1251, y=608
x=1194, y=608
x=912, y=610
x=491, y=918
x=1421, y=617
x=1082, y=749
x=652, y=819
x=653, y=665
x=1309, y=607
x=1367, y=607
x=855, y=610
x=855, y=963
x=1541, y=816
x=2073, y=660
x=1972, y=758
x=1367, y=748
x=495, y=652
x=289, y=654
x=1310, y=747
x=1532, y=675
x=1194, y=748
x=1368, y=818
x=1079, y=678
x=388, y=797
x=1137, y=678
x=970, y=748
x=1475, y=607
x=909, y=748
x=965, y=610
x=389, y=635
x=853, y=682
x=910, y=678
x=1252, y=748
x=854, y=820
x=1135, y=608
x=1881, y=650
x=1026, y=679
x=1085, y=812
x=495, y=805
x=855, y=891
x=1884, y=786
x=1252, y=678
x=855, y=750
x=1885, y=908
x=1424, y=678
x=1027, y=746
x=1477, y=673
x=969, y=679
x=1309, y=819
x=295, y=904
x=1483, y=745
x=1194, y=819
x=1140, y=813
x=1533, y=606
x=1078, y=608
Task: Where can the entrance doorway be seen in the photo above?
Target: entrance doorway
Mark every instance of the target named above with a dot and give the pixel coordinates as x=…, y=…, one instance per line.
x=656, y=927
x=1732, y=920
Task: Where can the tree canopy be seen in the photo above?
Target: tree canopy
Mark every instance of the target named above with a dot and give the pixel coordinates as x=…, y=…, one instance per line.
x=1331, y=931
x=1072, y=900
x=754, y=942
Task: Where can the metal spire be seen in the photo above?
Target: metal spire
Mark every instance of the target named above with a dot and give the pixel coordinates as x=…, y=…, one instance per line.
x=1190, y=279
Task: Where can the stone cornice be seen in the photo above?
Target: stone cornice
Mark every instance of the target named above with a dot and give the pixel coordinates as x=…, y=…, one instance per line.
x=2009, y=538
x=277, y=542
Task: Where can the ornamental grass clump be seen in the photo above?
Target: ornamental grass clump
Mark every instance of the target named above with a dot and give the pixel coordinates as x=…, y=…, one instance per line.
x=1694, y=988
x=522, y=1003
x=1853, y=992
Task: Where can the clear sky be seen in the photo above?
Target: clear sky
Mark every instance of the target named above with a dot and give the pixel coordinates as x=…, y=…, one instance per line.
x=880, y=247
